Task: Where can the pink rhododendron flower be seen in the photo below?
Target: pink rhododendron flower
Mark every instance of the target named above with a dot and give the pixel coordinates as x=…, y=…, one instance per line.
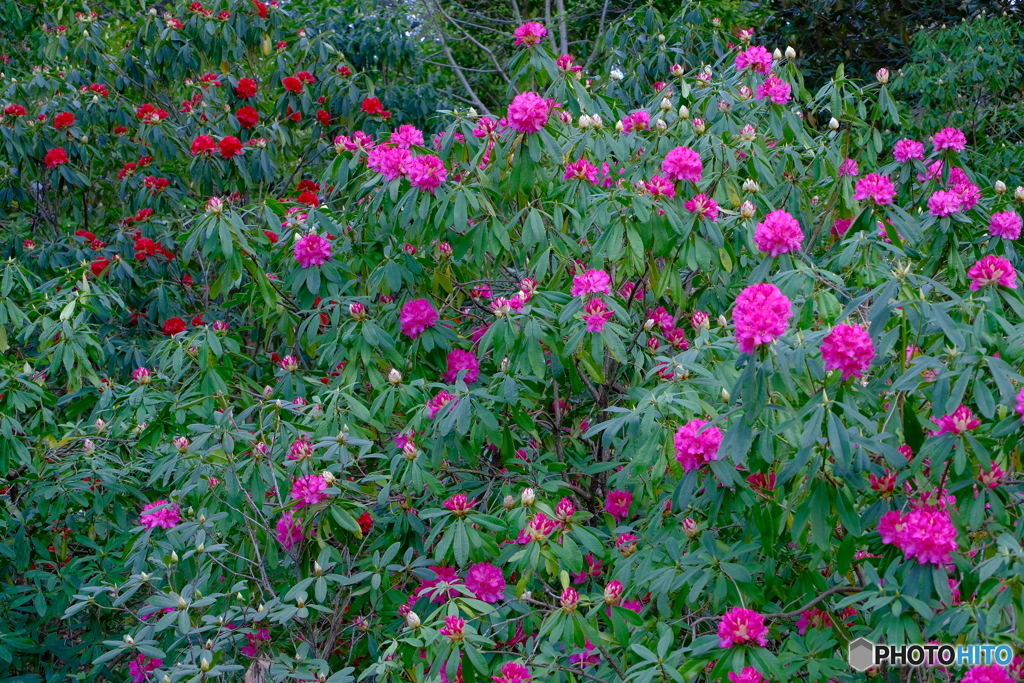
x=748, y=675
x=638, y=120
x=446, y=577
x=778, y=234
x=682, y=163
x=166, y=518
x=486, y=581
x=140, y=667
x=462, y=360
x=960, y=421
x=949, y=138
x=312, y=250
x=696, y=446
x=774, y=89
x=1005, y=224
x=992, y=270
x=454, y=628
x=991, y=477
x=740, y=625
x=426, y=172
x=581, y=170
x=512, y=672
x=530, y=33
x=309, y=490
x=841, y=225
x=596, y=314
x=906, y=150
x=704, y=206
x=390, y=162
x=924, y=533
x=439, y=401
x=585, y=657
x=289, y=530
x=659, y=187
x=416, y=316
x=528, y=112
x=848, y=167
x=407, y=136
x=988, y=673
x=761, y=315
x=756, y=58
x=592, y=282
x=848, y=348
x=1020, y=403
x=617, y=504
x=875, y=187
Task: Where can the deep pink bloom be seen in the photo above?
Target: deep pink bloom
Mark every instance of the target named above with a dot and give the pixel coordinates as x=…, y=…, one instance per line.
x=617, y=504
x=390, y=162
x=585, y=657
x=987, y=673
x=462, y=360
x=426, y=172
x=596, y=314
x=761, y=315
x=774, y=89
x=755, y=57
x=876, y=187
x=312, y=250
x=778, y=234
x=528, y=112
x=682, y=163
x=949, y=138
x=581, y=170
x=906, y=149
x=454, y=628
x=638, y=120
x=696, y=446
x=309, y=490
x=166, y=518
x=848, y=348
x=289, y=530
x=848, y=167
x=1020, y=403
x=486, y=581
x=925, y=534
x=960, y=421
x=704, y=206
x=459, y=505
x=530, y=33
x=890, y=526
x=445, y=575
x=748, y=675
x=564, y=63
x=659, y=187
x=300, y=449
x=992, y=270
x=841, y=225
x=406, y=136
x=140, y=667
x=511, y=672
x=416, y=316
x=439, y=401
x=740, y=625
x=592, y=282
x=1005, y=224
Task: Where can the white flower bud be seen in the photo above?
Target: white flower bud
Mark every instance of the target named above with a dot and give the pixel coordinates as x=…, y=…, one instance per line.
x=747, y=209
x=1000, y=187
x=1018, y=194
x=394, y=376
x=412, y=620
x=777, y=55
x=750, y=185
x=684, y=112
x=660, y=125
x=619, y=127
x=528, y=497
x=584, y=121
x=328, y=477
x=616, y=75
x=833, y=123
x=666, y=104
x=596, y=122
x=790, y=53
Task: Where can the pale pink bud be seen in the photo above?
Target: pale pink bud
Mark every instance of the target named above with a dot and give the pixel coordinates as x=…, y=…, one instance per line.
x=613, y=593
x=181, y=444
x=690, y=528
x=565, y=510
x=882, y=76
x=570, y=599
x=747, y=209
x=142, y=376
x=289, y=363
x=677, y=70
x=89, y=447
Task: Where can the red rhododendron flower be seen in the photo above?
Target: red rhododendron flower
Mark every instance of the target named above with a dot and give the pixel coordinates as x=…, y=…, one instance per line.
x=173, y=326
x=64, y=119
x=247, y=117
x=230, y=146
x=292, y=84
x=55, y=157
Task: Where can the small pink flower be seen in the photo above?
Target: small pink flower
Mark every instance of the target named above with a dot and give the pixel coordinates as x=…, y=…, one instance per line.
x=528, y=112
x=841, y=225
x=778, y=234
x=407, y=136
x=426, y=172
x=436, y=404
x=581, y=170
x=992, y=477
x=592, y=282
x=454, y=628
x=1005, y=224
x=756, y=58
x=309, y=490
x=167, y=517
x=596, y=314
x=906, y=150
x=459, y=360
x=141, y=666
x=486, y=582
x=992, y=270
x=617, y=504
x=748, y=675
x=416, y=316
x=740, y=625
x=949, y=138
x=760, y=316
x=848, y=348
x=695, y=445
x=289, y=530
x=512, y=672
x=300, y=449
x=704, y=206
x=682, y=163
x=960, y=421
x=987, y=673
x=312, y=250
x=530, y=33
x=774, y=89
x=943, y=203
x=925, y=534
x=876, y=187
x=659, y=187
x=848, y=167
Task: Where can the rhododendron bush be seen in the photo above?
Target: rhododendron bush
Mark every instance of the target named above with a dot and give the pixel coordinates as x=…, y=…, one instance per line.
x=670, y=370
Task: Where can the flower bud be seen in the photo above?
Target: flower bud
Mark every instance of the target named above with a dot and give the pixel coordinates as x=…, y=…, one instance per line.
x=570, y=598
x=174, y=559
x=724, y=107
x=616, y=75
x=412, y=621
x=201, y=548
x=666, y=104
x=747, y=133
x=504, y=365
x=1000, y=187
x=725, y=395
x=182, y=605
x=833, y=123
x=584, y=122
x=101, y=425
x=1018, y=194
x=684, y=112
x=722, y=322
x=528, y=497
x=410, y=451
x=215, y=206
x=128, y=639
x=613, y=593
x=328, y=477
x=509, y=503
x=661, y=37
x=744, y=93
x=181, y=444
x=677, y=70
x=620, y=127
x=596, y=122
x=690, y=528
x=357, y=311
x=660, y=125
x=790, y=53
x=750, y=185
x=565, y=510
x=882, y=76
x=777, y=54
x=698, y=125
x=747, y=209
x=394, y=376
x=89, y=447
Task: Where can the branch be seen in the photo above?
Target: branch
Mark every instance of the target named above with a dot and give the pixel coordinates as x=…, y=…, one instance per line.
x=474, y=98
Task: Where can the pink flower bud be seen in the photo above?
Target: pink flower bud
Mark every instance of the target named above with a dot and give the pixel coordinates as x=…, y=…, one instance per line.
x=181, y=444
x=570, y=599
x=690, y=528
x=142, y=376
x=289, y=363
x=565, y=510
x=357, y=311
x=613, y=593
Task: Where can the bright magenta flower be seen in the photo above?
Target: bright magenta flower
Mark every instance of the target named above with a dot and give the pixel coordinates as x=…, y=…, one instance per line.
x=617, y=504
x=530, y=33
x=682, y=163
x=436, y=404
x=925, y=534
x=426, y=172
x=943, y=203
x=462, y=360
x=417, y=315
x=486, y=582
x=740, y=625
x=696, y=446
x=774, y=89
x=992, y=270
x=289, y=530
x=779, y=233
x=312, y=250
x=167, y=517
x=950, y=138
x=848, y=348
x=906, y=150
x=309, y=490
x=704, y=206
x=528, y=112
x=1005, y=224
x=592, y=282
x=756, y=58
x=875, y=187
x=761, y=315
x=960, y=421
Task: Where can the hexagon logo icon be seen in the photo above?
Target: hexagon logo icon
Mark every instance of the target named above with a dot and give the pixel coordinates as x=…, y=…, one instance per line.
x=861, y=654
